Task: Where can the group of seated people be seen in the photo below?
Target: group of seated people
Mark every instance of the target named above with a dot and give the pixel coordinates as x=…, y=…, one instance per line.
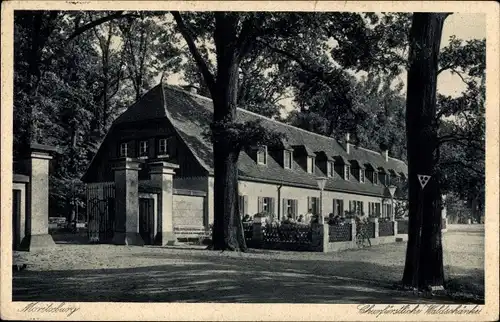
x=304, y=219
x=312, y=218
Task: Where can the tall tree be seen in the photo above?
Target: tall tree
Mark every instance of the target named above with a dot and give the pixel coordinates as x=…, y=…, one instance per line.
x=62, y=98
x=149, y=46
x=234, y=35
x=232, y=40
x=424, y=255
x=37, y=43
x=32, y=32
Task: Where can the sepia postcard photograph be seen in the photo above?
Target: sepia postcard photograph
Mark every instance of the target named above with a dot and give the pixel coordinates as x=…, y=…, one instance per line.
x=250, y=160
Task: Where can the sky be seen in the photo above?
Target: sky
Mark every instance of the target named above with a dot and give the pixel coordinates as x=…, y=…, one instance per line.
x=463, y=25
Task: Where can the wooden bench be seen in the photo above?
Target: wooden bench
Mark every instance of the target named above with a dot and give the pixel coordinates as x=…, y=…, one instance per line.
x=192, y=232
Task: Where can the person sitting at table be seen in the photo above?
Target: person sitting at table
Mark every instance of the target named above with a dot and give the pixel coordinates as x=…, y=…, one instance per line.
x=308, y=217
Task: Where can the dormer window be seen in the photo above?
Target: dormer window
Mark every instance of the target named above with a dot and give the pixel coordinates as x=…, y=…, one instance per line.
x=143, y=148
x=375, y=177
x=262, y=155
x=310, y=164
x=123, y=149
x=387, y=179
x=361, y=175
x=330, y=169
x=287, y=159
x=347, y=172
x=162, y=146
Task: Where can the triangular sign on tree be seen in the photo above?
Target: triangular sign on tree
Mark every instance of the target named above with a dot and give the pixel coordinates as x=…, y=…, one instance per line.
x=423, y=179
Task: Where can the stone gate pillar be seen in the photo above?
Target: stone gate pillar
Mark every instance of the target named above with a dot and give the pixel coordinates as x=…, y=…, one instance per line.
x=126, y=171
x=162, y=177
x=37, y=201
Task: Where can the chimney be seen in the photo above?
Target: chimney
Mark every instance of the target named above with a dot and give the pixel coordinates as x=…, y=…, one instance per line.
x=386, y=154
x=347, y=144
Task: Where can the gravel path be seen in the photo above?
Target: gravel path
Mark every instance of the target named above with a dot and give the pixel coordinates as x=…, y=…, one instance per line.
x=121, y=273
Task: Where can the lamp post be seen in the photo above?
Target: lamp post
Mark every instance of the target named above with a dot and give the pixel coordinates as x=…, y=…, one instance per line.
x=392, y=190
x=321, y=184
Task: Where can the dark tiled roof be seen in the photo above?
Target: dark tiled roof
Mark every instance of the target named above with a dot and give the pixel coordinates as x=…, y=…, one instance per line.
x=191, y=115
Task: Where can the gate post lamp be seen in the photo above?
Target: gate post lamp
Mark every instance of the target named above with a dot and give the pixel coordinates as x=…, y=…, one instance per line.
x=392, y=190
x=321, y=184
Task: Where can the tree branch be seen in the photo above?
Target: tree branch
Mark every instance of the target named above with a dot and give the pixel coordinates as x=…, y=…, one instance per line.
x=444, y=68
x=95, y=23
x=454, y=71
x=202, y=64
x=246, y=38
x=464, y=165
x=293, y=57
x=315, y=71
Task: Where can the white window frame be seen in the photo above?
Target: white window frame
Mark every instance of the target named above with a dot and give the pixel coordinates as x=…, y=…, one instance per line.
x=262, y=149
x=241, y=205
x=336, y=206
x=123, y=149
x=314, y=205
x=347, y=172
x=287, y=163
x=265, y=205
x=310, y=164
x=362, y=175
x=143, y=148
x=330, y=172
x=372, y=208
x=162, y=142
x=289, y=208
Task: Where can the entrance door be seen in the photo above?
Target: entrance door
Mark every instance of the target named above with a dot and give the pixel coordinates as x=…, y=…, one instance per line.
x=146, y=220
x=16, y=219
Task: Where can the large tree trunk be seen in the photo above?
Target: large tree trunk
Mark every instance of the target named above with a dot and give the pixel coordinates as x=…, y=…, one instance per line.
x=424, y=255
x=228, y=229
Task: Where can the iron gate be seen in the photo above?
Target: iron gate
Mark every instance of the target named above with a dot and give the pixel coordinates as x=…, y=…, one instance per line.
x=100, y=211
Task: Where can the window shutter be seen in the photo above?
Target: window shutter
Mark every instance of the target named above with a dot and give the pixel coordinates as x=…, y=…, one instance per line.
x=308, y=204
x=245, y=205
x=259, y=204
x=318, y=206
x=284, y=209
x=295, y=206
x=272, y=206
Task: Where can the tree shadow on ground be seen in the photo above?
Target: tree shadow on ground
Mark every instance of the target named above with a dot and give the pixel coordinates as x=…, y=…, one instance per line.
x=196, y=277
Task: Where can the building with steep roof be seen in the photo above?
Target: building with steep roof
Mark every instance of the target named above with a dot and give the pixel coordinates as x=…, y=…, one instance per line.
x=168, y=123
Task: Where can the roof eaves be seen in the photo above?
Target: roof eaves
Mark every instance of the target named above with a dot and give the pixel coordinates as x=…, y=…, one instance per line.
x=99, y=151
x=311, y=186
x=342, y=160
x=356, y=162
x=370, y=165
